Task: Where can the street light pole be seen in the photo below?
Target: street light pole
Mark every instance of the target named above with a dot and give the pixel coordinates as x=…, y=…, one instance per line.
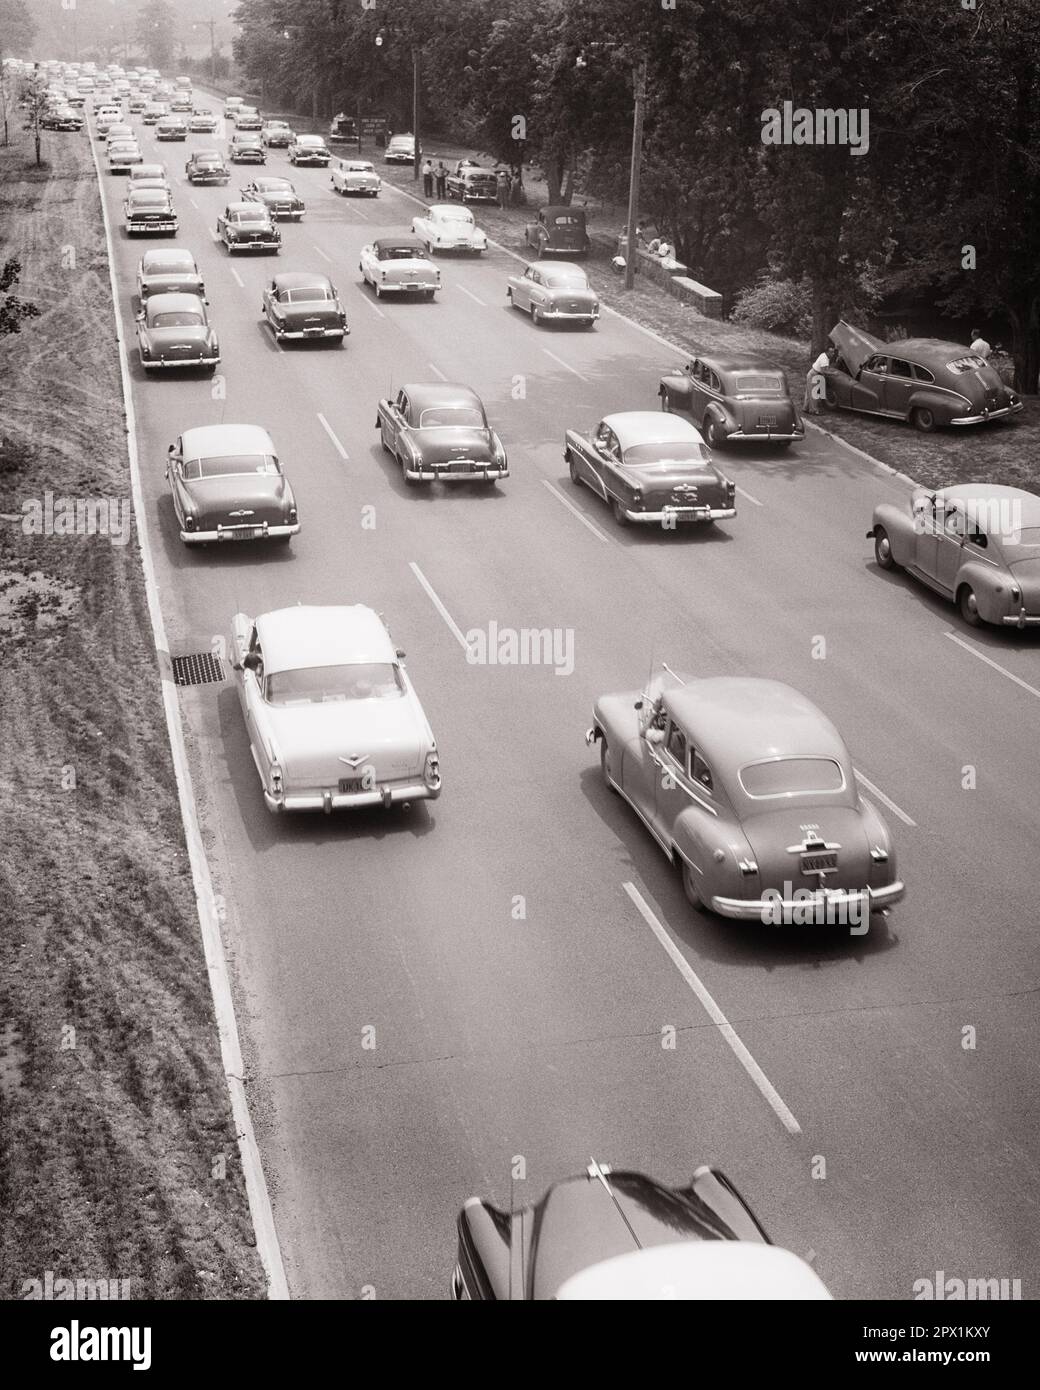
x=639, y=90
x=415, y=112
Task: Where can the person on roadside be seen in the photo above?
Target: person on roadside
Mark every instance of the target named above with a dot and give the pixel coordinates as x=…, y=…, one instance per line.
x=441, y=175
x=427, y=178
x=816, y=383
x=503, y=188
x=516, y=191
x=979, y=346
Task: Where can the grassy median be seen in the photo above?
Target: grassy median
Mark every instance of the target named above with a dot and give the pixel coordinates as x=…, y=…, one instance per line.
x=118, y=1155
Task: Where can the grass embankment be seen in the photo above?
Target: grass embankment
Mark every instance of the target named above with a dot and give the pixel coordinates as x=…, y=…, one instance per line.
x=114, y=1117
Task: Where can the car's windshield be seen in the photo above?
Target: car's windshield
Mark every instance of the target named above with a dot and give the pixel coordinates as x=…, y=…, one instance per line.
x=169, y=265
x=229, y=465
x=306, y=295
x=678, y=452
x=792, y=777
x=758, y=384
x=177, y=318
x=459, y=417
x=369, y=680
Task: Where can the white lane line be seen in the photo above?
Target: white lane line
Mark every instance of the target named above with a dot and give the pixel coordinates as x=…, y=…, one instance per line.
x=322, y=253
x=567, y=365
x=455, y=631
x=436, y=371
x=192, y=201
x=600, y=535
x=374, y=307
x=749, y=497
x=238, y=279
x=475, y=297
x=713, y=1011
x=995, y=664
x=332, y=435
x=363, y=215
x=886, y=801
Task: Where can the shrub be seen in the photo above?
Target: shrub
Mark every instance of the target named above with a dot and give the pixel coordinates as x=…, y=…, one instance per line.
x=777, y=306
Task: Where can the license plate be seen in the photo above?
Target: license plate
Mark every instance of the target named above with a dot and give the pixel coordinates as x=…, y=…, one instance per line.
x=352, y=784
x=246, y=533
x=412, y=285
x=814, y=863
x=767, y=422
x=460, y=466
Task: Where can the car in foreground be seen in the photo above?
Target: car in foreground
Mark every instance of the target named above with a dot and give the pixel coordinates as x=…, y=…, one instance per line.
x=623, y=1236
x=399, y=265
x=652, y=469
x=245, y=148
x=276, y=135
x=174, y=332
x=925, y=381
x=248, y=227
x=734, y=398
x=976, y=544
x=207, y=166
x=168, y=270
x=400, y=149
x=172, y=127
x=356, y=176
x=558, y=231
x=472, y=183
x=751, y=791
x=332, y=717
x=227, y=485
x=148, y=211
x=303, y=305
x=123, y=155
x=202, y=123
x=448, y=227
x=439, y=432
x=278, y=196
x=309, y=149
x=554, y=292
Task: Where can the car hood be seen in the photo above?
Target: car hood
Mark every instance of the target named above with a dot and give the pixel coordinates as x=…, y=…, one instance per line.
x=771, y=834
x=388, y=735
x=854, y=344
x=442, y=445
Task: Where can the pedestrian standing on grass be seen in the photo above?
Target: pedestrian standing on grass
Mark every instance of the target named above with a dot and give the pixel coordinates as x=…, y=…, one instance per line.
x=441, y=174
x=816, y=384
x=503, y=189
x=427, y=178
x=979, y=345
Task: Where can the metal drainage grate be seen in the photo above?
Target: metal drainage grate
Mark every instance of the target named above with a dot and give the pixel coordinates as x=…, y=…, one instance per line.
x=197, y=668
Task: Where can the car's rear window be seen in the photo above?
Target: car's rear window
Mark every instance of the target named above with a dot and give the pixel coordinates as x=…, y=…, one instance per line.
x=792, y=777
x=231, y=464
x=454, y=215
x=969, y=363
x=250, y=215
x=370, y=680
x=575, y=279
x=274, y=186
x=451, y=416
x=169, y=265
x=678, y=451
x=307, y=295
x=399, y=253
x=758, y=384
x=566, y=219
x=178, y=318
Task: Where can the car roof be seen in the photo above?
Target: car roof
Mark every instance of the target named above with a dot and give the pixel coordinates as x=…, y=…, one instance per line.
x=650, y=427
x=147, y=171
x=426, y=395
x=741, y=719
x=404, y=240
x=247, y=206
x=300, y=279
x=735, y=362
x=166, y=253
x=972, y=494
x=224, y=441
x=207, y=154
x=928, y=348
x=313, y=635
x=554, y=208
x=170, y=303
x=694, y=1270
x=146, y=195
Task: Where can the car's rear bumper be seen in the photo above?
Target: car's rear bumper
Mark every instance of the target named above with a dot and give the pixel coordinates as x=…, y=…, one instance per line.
x=570, y=315
x=238, y=533
x=765, y=436
x=482, y=472
x=135, y=228
x=358, y=187
x=985, y=418
x=458, y=246
x=171, y=363
x=424, y=287
x=1021, y=619
x=301, y=334
x=329, y=800
x=310, y=159
x=824, y=906
x=253, y=245
x=683, y=514
x=208, y=178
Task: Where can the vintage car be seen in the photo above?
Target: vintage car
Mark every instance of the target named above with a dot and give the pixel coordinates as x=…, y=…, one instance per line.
x=107, y=117
x=439, y=431
x=400, y=149
x=248, y=118
x=61, y=118
x=472, y=183
x=135, y=103
x=558, y=231
x=398, y=265
x=355, y=176
x=228, y=485
x=554, y=292
x=248, y=227
x=445, y=227
x=202, y=123
x=147, y=176
x=119, y=134
x=246, y=148
x=650, y=468
x=276, y=135
x=207, y=166
x=231, y=105
x=169, y=270
x=976, y=544
x=332, y=717
x=172, y=127
x=153, y=111
x=309, y=149
x=302, y=305
x=278, y=196
x=181, y=103
x=926, y=381
x=734, y=397
x=123, y=155
x=751, y=791
x=623, y=1236
x=174, y=331
x=148, y=211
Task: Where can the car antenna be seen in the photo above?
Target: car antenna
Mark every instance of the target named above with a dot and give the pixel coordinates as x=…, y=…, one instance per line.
x=597, y=1171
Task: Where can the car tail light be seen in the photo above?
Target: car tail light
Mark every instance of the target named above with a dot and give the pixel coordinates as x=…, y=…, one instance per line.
x=189, y=522
x=1016, y=593
x=293, y=514
x=432, y=770
x=276, y=780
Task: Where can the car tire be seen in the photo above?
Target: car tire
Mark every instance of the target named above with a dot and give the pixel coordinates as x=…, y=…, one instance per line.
x=666, y=403
x=536, y=316
x=713, y=436
x=428, y=295
x=883, y=550
x=923, y=419
x=409, y=482
x=968, y=605
x=604, y=764
x=690, y=888
x=572, y=468
x=379, y=291
x=619, y=512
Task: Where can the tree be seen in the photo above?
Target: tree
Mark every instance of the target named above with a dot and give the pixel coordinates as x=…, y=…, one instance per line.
x=155, y=32
x=12, y=309
x=17, y=28
x=35, y=105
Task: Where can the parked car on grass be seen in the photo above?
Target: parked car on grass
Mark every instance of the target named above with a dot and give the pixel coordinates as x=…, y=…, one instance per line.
x=471, y=183
x=558, y=231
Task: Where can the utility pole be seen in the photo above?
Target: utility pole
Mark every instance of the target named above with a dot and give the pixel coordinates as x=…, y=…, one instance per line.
x=639, y=91
x=415, y=112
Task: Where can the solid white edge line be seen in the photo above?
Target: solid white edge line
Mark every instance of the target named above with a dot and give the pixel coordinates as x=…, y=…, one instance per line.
x=566, y=365
x=885, y=800
x=476, y=298
x=436, y=371
x=748, y=496
x=968, y=647
x=332, y=435
x=600, y=535
x=322, y=253
x=260, y=1210
x=686, y=970
x=434, y=599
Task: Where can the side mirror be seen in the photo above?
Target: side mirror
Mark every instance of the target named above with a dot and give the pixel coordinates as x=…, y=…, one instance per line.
x=400, y=654
x=172, y=450
x=638, y=704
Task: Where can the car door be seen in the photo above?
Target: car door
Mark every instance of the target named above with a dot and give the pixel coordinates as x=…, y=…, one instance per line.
x=868, y=388
x=897, y=387
x=392, y=417
x=927, y=526
x=250, y=688
x=641, y=763
x=522, y=293
x=598, y=457
x=949, y=550
x=698, y=392
x=685, y=782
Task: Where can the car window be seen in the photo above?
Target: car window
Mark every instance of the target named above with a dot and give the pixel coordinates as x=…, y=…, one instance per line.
x=402, y=403
x=876, y=364
x=921, y=373
x=370, y=680
x=955, y=524
x=791, y=777
x=968, y=363
x=177, y=318
x=675, y=743
x=701, y=772
x=307, y=295
x=714, y=382
x=897, y=367
x=452, y=416
x=231, y=466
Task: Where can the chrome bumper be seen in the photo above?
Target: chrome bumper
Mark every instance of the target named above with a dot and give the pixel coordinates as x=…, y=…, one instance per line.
x=253, y=245
x=303, y=333
x=765, y=436
x=587, y=315
x=826, y=902
x=329, y=800
x=167, y=363
x=388, y=287
x=230, y=533
x=484, y=473
x=167, y=226
x=990, y=415
x=1021, y=619
x=692, y=514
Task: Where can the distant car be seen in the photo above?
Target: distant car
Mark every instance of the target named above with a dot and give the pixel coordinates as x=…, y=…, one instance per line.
x=248, y=227
x=135, y=103
x=650, y=468
x=228, y=485
x=750, y=790
x=332, y=718
x=446, y=227
x=105, y=118
x=207, y=166
x=174, y=331
x=620, y=1236
x=278, y=196
x=471, y=183
x=148, y=211
x=119, y=134
x=147, y=175
x=976, y=544
x=153, y=111
x=276, y=135
x=202, y=123
x=168, y=270
x=301, y=305
x=400, y=149
x=558, y=231
x=355, y=176
x=172, y=127
x=554, y=292
x=181, y=103
x=231, y=105
x=309, y=149
x=926, y=381
x=439, y=432
x=246, y=149
x=61, y=118
x=734, y=397
x=248, y=120
x=398, y=265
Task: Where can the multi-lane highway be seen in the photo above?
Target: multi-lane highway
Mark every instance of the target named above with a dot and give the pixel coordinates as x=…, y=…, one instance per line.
x=505, y=946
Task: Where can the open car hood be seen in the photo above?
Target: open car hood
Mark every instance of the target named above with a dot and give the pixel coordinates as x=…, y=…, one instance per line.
x=854, y=344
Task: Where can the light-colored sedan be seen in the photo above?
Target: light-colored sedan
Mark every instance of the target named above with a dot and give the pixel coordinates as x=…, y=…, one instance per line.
x=356, y=176
x=399, y=265
x=147, y=175
x=123, y=155
x=332, y=718
x=449, y=227
x=172, y=127
x=554, y=292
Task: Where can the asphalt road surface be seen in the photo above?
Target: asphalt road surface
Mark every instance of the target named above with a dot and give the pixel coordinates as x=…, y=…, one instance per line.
x=507, y=943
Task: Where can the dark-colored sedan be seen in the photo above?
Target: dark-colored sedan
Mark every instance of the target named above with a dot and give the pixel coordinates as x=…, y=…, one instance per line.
x=248, y=227
x=559, y=231
x=278, y=196
x=926, y=381
x=622, y=1236
x=440, y=431
x=148, y=211
x=174, y=331
x=734, y=398
x=207, y=166
x=246, y=148
x=308, y=149
x=650, y=468
x=228, y=485
x=301, y=305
